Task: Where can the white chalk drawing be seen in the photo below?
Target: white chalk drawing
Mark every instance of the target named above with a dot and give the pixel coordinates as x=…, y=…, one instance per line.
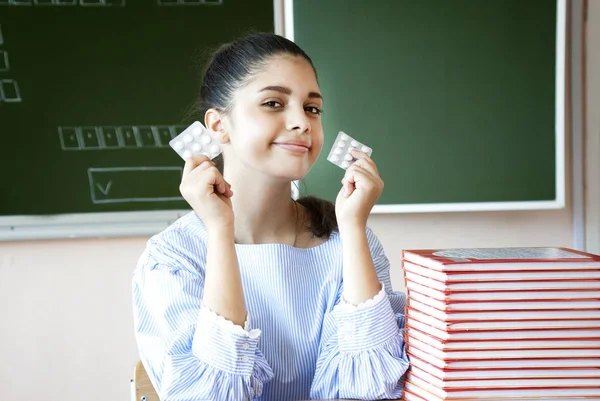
x=117, y=137
x=89, y=138
x=20, y=2
x=190, y=2
x=9, y=91
x=103, y=179
x=69, y=140
x=83, y=3
x=102, y=3
x=106, y=189
x=4, y=64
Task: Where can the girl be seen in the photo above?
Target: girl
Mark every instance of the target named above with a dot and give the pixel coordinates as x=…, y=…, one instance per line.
x=254, y=295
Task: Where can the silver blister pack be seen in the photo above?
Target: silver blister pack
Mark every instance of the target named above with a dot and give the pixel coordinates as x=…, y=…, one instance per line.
x=340, y=154
x=194, y=140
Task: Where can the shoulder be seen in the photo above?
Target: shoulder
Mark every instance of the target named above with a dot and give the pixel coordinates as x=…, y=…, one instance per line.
x=181, y=245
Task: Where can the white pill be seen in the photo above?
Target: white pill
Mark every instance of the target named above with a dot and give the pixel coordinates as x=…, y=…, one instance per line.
x=366, y=149
x=214, y=149
x=196, y=147
x=206, y=139
x=344, y=137
x=341, y=144
x=335, y=158
x=187, y=154
x=338, y=151
x=345, y=164
x=188, y=138
x=354, y=144
x=178, y=145
x=197, y=131
x=348, y=157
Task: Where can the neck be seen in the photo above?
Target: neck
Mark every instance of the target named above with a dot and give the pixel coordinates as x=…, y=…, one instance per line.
x=264, y=211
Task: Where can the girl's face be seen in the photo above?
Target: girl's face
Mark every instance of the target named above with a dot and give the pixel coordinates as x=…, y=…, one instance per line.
x=274, y=125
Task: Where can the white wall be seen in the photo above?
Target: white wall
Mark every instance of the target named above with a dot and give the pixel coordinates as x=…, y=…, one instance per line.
x=65, y=312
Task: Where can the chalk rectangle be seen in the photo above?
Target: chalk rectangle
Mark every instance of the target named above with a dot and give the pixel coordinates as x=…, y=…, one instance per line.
x=110, y=139
x=164, y=135
x=9, y=91
x=134, y=184
x=147, y=138
x=89, y=138
x=129, y=137
x=68, y=138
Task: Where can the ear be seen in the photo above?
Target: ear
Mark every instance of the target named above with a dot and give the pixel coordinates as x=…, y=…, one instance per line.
x=213, y=120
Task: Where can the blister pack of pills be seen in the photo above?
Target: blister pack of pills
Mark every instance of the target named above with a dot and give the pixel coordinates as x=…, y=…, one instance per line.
x=196, y=139
x=340, y=153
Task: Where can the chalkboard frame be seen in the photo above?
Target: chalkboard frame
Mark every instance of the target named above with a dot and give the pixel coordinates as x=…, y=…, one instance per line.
x=80, y=225
x=560, y=136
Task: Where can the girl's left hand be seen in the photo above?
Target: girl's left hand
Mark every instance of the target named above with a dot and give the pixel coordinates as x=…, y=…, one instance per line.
x=361, y=187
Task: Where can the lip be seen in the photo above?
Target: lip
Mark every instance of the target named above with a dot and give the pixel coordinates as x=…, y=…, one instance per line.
x=293, y=146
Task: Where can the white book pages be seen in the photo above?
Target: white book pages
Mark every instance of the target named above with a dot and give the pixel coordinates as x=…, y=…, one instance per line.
x=514, y=305
x=504, y=286
x=432, y=393
x=504, y=383
x=504, y=364
x=505, y=334
x=504, y=325
x=503, y=354
x=502, y=344
x=504, y=315
x=502, y=296
x=504, y=373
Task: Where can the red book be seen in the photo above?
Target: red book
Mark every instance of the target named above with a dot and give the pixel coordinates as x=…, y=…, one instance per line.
x=502, y=259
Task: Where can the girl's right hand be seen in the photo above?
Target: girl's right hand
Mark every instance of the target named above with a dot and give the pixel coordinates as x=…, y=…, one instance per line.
x=207, y=192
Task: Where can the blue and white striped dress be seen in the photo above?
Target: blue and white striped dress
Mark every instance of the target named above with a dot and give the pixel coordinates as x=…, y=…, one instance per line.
x=301, y=339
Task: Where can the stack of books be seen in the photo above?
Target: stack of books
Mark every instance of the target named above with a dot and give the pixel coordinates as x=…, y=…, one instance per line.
x=502, y=324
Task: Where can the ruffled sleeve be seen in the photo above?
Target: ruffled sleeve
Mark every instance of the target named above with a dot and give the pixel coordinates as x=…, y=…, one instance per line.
x=362, y=351
x=189, y=352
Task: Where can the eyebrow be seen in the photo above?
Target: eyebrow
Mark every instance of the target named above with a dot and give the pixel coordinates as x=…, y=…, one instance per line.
x=288, y=91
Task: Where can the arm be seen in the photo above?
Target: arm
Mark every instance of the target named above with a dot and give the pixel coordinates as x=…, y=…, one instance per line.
x=223, y=292
x=188, y=350
x=360, y=278
x=362, y=353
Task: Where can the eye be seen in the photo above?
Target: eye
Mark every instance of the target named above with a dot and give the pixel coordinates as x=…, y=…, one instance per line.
x=314, y=110
x=272, y=104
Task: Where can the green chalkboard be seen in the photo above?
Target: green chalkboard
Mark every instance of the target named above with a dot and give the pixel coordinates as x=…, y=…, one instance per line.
x=92, y=91
x=457, y=98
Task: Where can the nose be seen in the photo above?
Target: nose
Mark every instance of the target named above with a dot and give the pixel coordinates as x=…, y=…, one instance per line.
x=298, y=121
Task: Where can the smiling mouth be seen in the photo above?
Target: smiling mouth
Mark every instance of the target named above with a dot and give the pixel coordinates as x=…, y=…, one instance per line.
x=292, y=147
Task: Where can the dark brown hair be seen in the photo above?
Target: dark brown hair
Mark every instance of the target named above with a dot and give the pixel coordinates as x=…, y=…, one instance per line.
x=228, y=69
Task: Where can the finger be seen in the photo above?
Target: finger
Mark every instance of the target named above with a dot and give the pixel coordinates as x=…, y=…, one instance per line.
x=365, y=161
x=193, y=162
x=348, y=182
x=196, y=174
x=357, y=176
x=221, y=186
